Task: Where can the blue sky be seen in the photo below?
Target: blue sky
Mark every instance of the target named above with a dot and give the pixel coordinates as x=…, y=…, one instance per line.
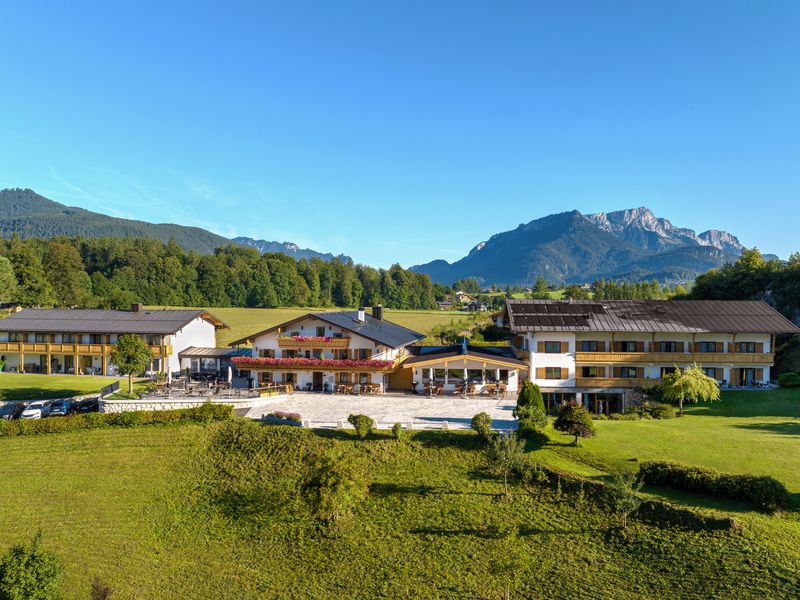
x=406, y=131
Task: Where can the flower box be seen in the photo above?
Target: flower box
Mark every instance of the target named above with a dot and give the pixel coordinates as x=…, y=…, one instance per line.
x=243, y=362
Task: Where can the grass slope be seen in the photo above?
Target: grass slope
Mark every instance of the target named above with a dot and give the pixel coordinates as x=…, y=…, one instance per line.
x=110, y=504
x=31, y=386
x=244, y=321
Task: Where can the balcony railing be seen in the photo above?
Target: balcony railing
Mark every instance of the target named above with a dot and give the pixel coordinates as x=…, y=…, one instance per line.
x=86, y=349
x=286, y=341
x=701, y=358
x=612, y=382
x=313, y=364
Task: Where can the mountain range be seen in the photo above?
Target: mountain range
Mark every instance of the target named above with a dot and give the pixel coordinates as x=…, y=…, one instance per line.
x=28, y=214
x=571, y=247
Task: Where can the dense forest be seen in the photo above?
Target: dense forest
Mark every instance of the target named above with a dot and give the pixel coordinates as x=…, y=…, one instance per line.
x=115, y=272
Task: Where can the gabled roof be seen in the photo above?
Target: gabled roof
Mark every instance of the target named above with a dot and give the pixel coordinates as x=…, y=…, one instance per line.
x=91, y=320
x=204, y=352
x=647, y=316
x=430, y=355
x=378, y=330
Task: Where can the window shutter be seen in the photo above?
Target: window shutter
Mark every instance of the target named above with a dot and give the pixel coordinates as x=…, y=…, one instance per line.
x=540, y=346
x=680, y=346
x=601, y=346
x=719, y=346
x=564, y=373
x=617, y=371
x=640, y=346
x=759, y=374
x=540, y=372
x=640, y=372
x=601, y=371
x=734, y=376
x=760, y=348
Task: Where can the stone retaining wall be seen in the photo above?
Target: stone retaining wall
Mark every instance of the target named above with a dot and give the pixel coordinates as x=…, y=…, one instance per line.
x=117, y=406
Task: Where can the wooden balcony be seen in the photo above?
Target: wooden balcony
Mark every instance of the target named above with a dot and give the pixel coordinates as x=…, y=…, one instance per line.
x=286, y=341
x=614, y=382
x=81, y=349
x=670, y=358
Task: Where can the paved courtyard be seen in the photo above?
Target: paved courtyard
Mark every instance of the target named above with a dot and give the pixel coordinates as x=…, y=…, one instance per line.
x=331, y=410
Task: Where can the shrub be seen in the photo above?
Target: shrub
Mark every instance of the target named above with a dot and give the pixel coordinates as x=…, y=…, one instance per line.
x=126, y=419
x=334, y=488
x=363, y=425
x=28, y=571
x=482, y=425
x=397, y=432
x=760, y=491
x=599, y=417
x=575, y=420
x=532, y=418
x=286, y=416
x=789, y=380
x=529, y=396
x=662, y=411
x=624, y=417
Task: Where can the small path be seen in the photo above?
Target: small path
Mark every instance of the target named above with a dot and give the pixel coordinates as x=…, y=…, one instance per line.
x=328, y=410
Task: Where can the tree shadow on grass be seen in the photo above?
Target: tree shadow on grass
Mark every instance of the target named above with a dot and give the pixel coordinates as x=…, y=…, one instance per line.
x=490, y=533
x=391, y=489
x=785, y=428
x=449, y=439
x=35, y=393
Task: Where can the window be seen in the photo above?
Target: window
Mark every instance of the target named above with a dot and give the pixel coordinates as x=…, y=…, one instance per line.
x=551, y=373
x=95, y=339
x=588, y=346
x=627, y=347
x=667, y=371
x=266, y=353
x=628, y=372
x=590, y=372
x=748, y=347
x=475, y=376
x=68, y=338
x=14, y=337
x=706, y=347
x=290, y=354
x=294, y=334
x=344, y=377
x=668, y=346
x=320, y=332
x=266, y=377
x=153, y=340
x=552, y=347
x=364, y=353
x=710, y=371
x=363, y=378
x=208, y=365
x=503, y=375
x=316, y=353
x=340, y=354
x=455, y=375
x=40, y=338
x=438, y=375
x=289, y=378
x=491, y=376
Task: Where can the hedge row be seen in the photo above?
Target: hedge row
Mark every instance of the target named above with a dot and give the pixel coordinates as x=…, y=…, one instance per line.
x=201, y=414
x=655, y=512
x=760, y=491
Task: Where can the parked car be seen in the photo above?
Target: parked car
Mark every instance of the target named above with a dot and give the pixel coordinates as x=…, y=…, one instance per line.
x=60, y=408
x=36, y=410
x=11, y=410
x=86, y=406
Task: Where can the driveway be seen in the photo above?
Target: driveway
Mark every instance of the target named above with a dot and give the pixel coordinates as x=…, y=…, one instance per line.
x=326, y=410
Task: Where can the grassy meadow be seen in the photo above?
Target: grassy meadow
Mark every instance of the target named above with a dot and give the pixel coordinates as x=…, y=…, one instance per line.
x=32, y=386
x=244, y=321
x=123, y=504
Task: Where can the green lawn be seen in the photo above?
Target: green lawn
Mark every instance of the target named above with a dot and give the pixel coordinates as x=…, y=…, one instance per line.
x=244, y=321
x=114, y=504
x=30, y=386
x=746, y=432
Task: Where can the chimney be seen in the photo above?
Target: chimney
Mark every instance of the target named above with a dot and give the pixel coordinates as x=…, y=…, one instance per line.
x=362, y=318
x=136, y=307
x=377, y=312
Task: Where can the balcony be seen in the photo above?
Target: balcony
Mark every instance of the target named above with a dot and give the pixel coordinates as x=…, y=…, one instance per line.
x=83, y=349
x=313, y=364
x=615, y=382
x=701, y=358
x=286, y=341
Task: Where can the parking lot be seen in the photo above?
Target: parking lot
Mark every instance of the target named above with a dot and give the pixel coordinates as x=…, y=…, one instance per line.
x=422, y=412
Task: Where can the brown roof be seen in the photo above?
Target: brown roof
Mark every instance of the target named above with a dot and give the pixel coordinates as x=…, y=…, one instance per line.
x=430, y=354
x=92, y=320
x=648, y=316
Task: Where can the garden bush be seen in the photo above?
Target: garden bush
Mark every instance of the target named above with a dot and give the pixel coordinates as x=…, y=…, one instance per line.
x=363, y=425
x=28, y=571
x=624, y=417
x=663, y=411
x=482, y=425
x=575, y=420
x=200, y=414
x=760, y=491
x=397, y=432
x=789, y=380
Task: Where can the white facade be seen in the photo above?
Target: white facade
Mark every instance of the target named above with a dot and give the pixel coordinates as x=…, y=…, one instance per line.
x=198, y=332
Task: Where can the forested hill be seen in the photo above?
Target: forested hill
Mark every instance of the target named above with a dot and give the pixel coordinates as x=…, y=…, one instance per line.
x=115, y=272
x=29, y=215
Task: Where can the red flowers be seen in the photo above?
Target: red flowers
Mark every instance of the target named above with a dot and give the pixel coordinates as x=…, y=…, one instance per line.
x=309, y=338
x=243, y=362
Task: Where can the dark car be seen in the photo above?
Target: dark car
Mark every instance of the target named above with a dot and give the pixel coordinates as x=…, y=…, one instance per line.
x=11, y=410
x=60, y=408
x=86, y=406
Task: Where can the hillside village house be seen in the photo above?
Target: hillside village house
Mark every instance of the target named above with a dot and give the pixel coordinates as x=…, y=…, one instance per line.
x=79, y=341
x=598, y=352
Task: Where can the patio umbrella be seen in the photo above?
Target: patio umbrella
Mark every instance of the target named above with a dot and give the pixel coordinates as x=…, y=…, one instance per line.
x=230, y=374
x=169, y=377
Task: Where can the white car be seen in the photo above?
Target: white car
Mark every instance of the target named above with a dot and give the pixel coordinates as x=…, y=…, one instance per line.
x=36, y=410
